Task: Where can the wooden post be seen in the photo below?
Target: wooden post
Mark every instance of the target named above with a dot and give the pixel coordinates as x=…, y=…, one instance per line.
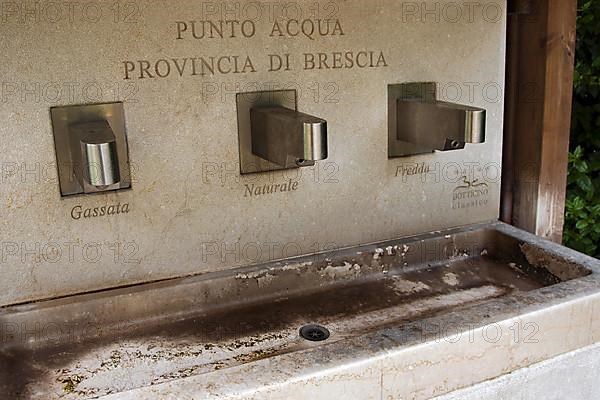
x=540, y=65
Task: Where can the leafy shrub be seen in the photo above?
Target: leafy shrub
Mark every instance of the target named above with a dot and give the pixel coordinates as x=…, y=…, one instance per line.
x=582, y=218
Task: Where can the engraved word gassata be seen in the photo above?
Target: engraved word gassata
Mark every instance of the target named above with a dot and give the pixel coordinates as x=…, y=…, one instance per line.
x=78, y=212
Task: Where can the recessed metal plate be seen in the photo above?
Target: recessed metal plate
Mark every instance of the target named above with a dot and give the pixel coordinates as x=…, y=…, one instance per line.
x=69, y=161
x=416, y=90
x=250, y=163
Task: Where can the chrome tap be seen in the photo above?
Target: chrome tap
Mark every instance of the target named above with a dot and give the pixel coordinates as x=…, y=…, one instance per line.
x=288, y=138
x=91, y=148
x=274, y=135
x=419, y=123
x=99, y=154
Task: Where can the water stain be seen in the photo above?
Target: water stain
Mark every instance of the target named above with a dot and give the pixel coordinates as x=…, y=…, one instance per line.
x=241, y=329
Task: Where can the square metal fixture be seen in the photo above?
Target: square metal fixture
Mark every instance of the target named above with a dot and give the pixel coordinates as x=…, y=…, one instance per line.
x=249, y=162
x=71, y=168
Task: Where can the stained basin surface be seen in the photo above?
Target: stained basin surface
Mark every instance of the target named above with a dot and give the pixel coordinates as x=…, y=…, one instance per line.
x=92, y=345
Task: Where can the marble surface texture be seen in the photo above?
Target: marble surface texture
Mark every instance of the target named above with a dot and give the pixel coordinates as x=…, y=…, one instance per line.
x=189, y=210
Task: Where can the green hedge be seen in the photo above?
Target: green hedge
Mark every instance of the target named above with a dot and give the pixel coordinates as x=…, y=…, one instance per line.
x=582, y=225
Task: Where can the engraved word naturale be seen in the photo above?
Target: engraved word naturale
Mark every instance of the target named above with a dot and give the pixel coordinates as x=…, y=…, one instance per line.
x=261, y=190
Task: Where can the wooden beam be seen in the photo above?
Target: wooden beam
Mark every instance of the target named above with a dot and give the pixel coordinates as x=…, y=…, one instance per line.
x=540, y=64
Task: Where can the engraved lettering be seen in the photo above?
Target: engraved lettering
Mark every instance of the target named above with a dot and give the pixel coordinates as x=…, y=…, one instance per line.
x=337, y=29
x=358, y=58
x=381, y=62
x=205, y=65
x=181, y=27
x=323, y=61
x=180, y=68
x=129, y=67
x=337, y=60
x=224, y=69
x=309, y=61
x=293, y=28
x=248, y=66
x=76, y=212
x=166, y=68
x=276, y=31
x=189, y=66
x=309, y=28
x=348, y=59
x=406, y=170
x=144, y=67
x=219, y=29
x=470, y=193
x=248, y=28
x=279, y=62
x=79, y=212
x=253, y=190
x=214, y=28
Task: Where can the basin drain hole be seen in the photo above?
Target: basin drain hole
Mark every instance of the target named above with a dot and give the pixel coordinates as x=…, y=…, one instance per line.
x=314, y=333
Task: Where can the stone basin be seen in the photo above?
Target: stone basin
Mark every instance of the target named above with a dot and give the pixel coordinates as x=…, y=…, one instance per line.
x=407, y=319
